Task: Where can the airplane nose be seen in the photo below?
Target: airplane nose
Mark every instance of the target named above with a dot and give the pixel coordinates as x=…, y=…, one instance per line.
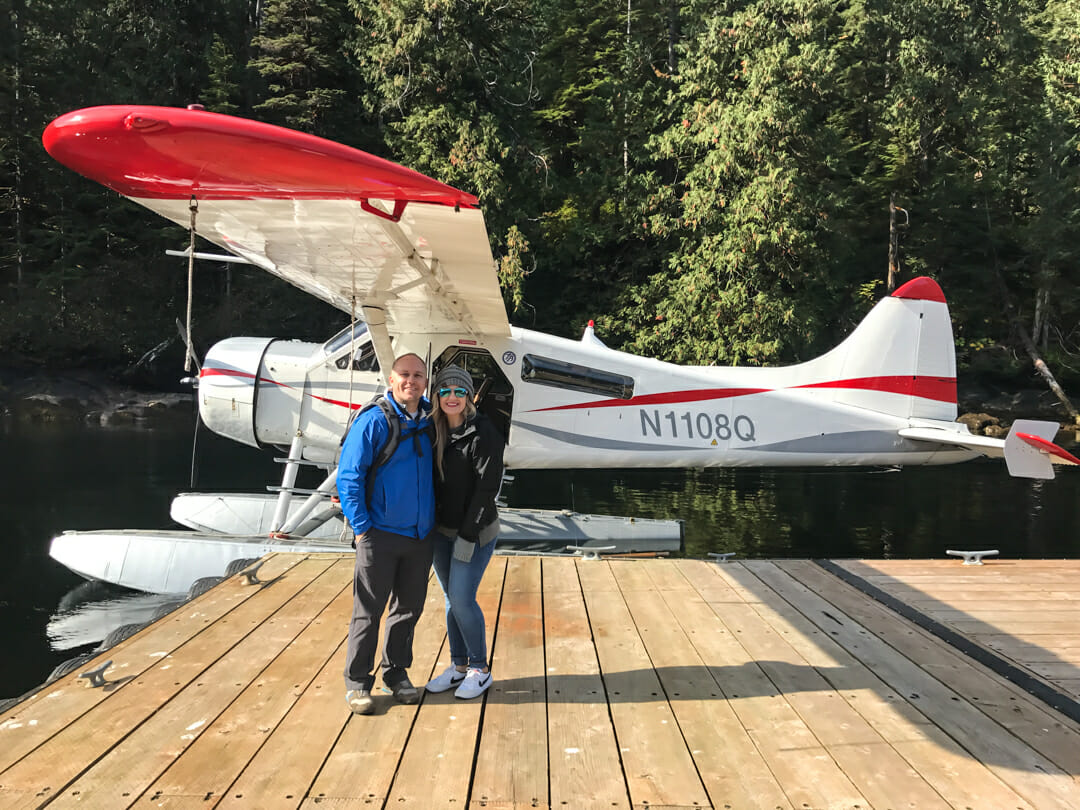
x=227, y=387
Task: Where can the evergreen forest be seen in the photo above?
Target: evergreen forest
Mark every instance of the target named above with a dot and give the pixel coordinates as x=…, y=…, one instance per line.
x=713, y=182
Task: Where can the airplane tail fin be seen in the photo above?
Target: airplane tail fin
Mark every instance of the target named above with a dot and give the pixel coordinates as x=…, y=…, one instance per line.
x=900, y=360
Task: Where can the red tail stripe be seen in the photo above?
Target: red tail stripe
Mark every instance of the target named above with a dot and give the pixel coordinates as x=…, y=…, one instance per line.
x=942, y=389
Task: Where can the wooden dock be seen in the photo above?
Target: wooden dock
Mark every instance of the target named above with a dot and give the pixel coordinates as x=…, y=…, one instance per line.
x=619, y=684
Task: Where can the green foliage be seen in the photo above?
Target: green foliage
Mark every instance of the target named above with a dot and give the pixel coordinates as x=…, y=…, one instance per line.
x=512, y=270
x=758, y=191
x=300, y=55
x=709, y=181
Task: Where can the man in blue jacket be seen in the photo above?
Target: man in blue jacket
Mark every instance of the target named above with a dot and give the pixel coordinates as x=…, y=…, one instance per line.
x=392, y=524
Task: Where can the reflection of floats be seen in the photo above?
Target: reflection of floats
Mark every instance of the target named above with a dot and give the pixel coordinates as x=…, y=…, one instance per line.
x=91, y=610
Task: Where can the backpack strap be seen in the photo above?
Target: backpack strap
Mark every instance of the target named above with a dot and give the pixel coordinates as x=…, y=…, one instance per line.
x=393, y=424
x=392, y=441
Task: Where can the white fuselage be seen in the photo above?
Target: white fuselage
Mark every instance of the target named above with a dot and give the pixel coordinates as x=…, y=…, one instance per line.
x=570, y=404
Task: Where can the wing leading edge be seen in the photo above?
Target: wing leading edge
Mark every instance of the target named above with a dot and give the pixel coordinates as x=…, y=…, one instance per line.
x=357, y=231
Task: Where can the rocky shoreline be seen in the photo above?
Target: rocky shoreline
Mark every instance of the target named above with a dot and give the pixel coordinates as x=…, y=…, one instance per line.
x=94, y=399
x=87, y=398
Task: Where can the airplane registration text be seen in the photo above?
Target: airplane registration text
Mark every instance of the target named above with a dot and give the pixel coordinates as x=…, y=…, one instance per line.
x=697, y=425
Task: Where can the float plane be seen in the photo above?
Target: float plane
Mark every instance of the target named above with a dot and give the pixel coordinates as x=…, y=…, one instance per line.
x=407, y=259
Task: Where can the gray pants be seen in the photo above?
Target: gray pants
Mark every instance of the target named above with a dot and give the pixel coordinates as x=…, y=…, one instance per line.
x=388, y=567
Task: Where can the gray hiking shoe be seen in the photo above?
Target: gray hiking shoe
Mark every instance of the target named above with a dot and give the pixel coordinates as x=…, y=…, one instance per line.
x=404, y=691
x=360, y=701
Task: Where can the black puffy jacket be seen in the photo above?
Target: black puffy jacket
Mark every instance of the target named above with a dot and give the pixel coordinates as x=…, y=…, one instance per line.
x=471, y=476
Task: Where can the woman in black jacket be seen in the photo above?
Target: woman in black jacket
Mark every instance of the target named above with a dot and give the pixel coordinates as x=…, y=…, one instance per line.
x=468, y=474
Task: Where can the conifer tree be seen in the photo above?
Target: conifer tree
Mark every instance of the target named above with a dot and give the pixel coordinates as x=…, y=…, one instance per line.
x=756, y=193
x=602, y=76
x=452, y=85
x=301, y=55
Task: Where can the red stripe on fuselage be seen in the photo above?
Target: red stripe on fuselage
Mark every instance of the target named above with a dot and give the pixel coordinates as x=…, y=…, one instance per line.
x=663, y=399
x=226, y=372
x=229, y=372
x=942, y=389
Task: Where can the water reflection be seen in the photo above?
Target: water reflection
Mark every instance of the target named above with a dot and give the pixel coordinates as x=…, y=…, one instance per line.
x=831, y=513
x=91, y=610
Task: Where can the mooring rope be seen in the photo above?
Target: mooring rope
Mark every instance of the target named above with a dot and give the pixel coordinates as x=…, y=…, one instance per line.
x=188, y=351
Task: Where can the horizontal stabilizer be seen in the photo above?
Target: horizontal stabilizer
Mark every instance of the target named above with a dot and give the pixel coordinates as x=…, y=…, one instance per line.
x=1029, y=450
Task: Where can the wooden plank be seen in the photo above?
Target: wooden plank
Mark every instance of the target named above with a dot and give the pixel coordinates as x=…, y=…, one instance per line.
x=804, y=768
x=659, y=769
x=560, y=575
x=66, y=754
x=585, y=771
x=143, y=755
x=960, y=779
x=984, y=608
x=436, y=768
x=596, y=577
x=31, y=722
x=515, y=721
x=1065, y=648
x=214, y=760
x=631, y=576
x=666, y=575
x=1038, y=632
x=360, y=767
x=942, y=684
x=866, y=758
x=1014, y=628
x=702, y=577
x=281, y=772
x=732, y=769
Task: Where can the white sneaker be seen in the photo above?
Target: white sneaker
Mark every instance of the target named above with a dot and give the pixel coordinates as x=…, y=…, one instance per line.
x=475, y=684
x=448, y=680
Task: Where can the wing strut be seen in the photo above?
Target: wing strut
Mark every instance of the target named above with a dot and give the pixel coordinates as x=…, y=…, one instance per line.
x=375, y=318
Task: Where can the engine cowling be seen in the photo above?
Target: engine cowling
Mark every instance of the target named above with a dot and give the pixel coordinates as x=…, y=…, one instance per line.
x=228, y=385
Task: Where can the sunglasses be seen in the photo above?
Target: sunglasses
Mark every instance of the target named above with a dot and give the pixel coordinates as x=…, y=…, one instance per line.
x=457, y=392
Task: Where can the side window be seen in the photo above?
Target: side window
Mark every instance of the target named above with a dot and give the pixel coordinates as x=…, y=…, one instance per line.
x=364, y=359
x=545, y=371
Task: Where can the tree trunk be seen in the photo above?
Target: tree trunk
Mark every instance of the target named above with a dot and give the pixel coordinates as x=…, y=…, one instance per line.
x=894, y=245
x=1014, y=319
x=1032, y=349
x=16, y=123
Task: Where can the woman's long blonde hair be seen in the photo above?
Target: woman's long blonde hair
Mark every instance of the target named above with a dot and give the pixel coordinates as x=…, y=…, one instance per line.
x=442, y=427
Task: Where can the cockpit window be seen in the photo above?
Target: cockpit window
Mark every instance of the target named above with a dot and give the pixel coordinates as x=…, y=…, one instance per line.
x=557, y=373
x=364, y=358
x=363, y=355
x=343, y=338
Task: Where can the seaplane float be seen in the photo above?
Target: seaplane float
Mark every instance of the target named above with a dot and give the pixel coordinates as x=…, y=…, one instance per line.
x=408, y=260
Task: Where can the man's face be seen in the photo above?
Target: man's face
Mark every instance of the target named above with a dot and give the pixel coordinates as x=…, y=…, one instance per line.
x=408, y=381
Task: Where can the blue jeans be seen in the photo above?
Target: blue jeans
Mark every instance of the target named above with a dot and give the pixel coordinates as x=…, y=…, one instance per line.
x=464, y=618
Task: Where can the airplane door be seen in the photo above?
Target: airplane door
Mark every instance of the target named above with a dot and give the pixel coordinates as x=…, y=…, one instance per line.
x=494, y=392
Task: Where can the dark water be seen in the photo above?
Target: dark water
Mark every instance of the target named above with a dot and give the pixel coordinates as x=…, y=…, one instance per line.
x=56, y=478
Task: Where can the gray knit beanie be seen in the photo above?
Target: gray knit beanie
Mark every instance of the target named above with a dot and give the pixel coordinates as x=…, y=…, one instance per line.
x=454, y=377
